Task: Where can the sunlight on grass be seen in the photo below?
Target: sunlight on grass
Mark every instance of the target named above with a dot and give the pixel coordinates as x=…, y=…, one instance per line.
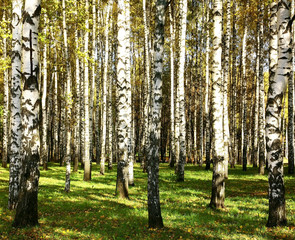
x=92, y=211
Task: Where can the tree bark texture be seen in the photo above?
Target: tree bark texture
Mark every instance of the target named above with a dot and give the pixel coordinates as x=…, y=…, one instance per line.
x=277, y=87
x=27, y=207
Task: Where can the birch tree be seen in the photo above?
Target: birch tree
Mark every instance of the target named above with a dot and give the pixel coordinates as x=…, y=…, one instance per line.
x=27, y=207
x=218, y=182
x=277, y=87
x=105, y=92
x=15, y=148
x=154, y=209
x=124, y=101
x=261, y=119
x=68, y=101
x=244, y=93
x=181, y=159
x=5, y=103
x=291, y=105
x=44, y=147
x=86, y=154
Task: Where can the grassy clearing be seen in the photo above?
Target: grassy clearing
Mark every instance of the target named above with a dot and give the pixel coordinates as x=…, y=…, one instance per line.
x=92, y=211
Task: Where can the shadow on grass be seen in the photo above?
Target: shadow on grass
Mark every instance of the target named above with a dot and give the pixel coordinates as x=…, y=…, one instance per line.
x=91, y=209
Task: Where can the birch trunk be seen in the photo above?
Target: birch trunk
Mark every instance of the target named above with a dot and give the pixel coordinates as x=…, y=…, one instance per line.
x=218, y=183
x=261, y=109
x=277, y=87
x=226, y=134
x=87, y=158
x=77, y=100
x=124, y=102
x=55, y=102
x=27, y=207
x=147, y=87
x=16, y=134
x=172, y=132
x=5, y=103
x=234, y=89
x=244, y=94
x=93, y=76
x=254, y=153
x=154, y=209
x=207, y=118
x=68, y=101
x=44, y=147
x=105, y=92
x=291, y=104
x=129, y=95
x=181, y=97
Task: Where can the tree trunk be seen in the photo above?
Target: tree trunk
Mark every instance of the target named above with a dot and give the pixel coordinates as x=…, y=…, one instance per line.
x=291, y=106
x=244, y=94
x=105, y=92
x=87, y=157
x=181, y=98
x=234, y=89
x=67, y=159
x=207, y=118
x=154, y=209
x=147, y=87
x=226, y=134
x=5, y=103
x=261, y=107
x=124, y=103
x=77, y=139
x=172, y=132
x=277, y=212
x=44, y=147
x=16, y=134
x=27, y=207
x=218, y=183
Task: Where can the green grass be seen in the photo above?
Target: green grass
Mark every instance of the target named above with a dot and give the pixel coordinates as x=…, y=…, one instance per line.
x=92, y=211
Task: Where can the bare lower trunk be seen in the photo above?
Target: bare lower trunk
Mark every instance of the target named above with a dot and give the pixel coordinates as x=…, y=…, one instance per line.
x=27, y=207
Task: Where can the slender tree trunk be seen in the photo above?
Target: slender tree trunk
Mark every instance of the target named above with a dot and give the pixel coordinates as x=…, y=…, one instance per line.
x=234, y=89
x=244, y=94
x=27, y=207
x=16, y=134
x=277, y=212
x=207, y=118
x=124, y=103
x=44, y=147
x=172, y=132
x=226, y=135
x=105, y=92
x=181, y=97
x=77, y=99
x=87, y=157
x=218, y=182
x=147, y=87
x=154, y=209
x=110, y=111
x=68, y=102
x=291, y=105
x=55, y=103
x=5, y=103
x=261, y=106
x=254, y=153
x=92, y=86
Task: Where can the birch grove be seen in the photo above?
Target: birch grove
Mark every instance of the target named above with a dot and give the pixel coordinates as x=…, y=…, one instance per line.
x=113, y=82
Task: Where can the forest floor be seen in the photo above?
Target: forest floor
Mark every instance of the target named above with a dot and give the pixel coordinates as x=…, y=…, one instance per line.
x=92, y=211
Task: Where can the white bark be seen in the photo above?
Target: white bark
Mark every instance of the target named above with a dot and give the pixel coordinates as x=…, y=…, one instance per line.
x=16, y=134
x=181, y=96
x=27, y=207
x=87, y=159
